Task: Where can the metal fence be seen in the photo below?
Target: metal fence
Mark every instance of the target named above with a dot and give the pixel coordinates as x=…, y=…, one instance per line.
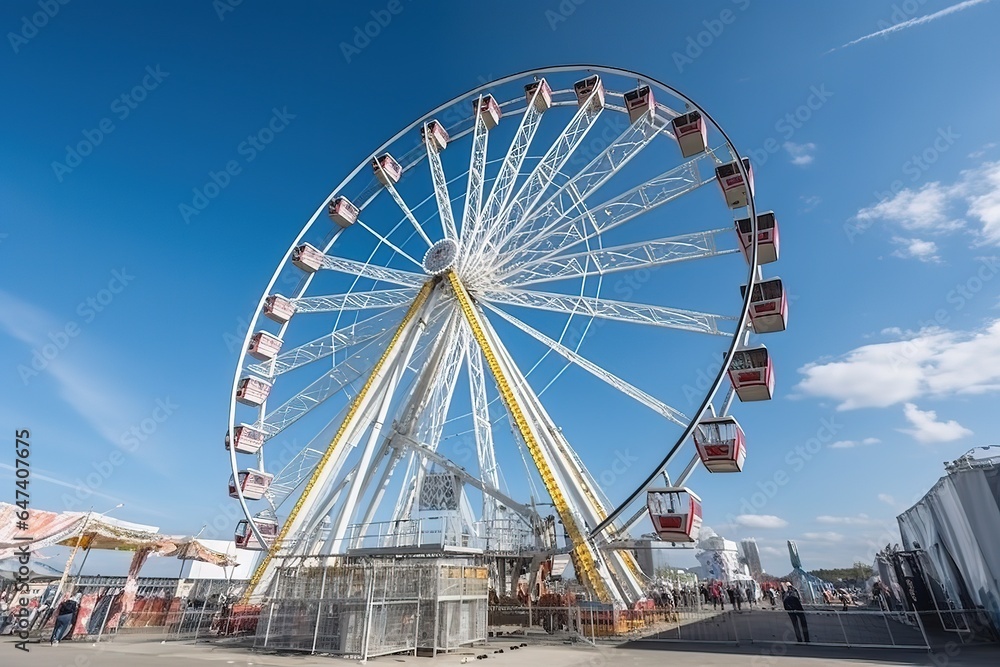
x=165, y=608
x=822, y=627
x=371, y=608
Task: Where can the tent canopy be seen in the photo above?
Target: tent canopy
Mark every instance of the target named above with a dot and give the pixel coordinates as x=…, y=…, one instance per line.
x=93, y=531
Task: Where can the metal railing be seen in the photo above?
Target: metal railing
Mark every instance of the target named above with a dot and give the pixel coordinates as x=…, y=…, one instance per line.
x=820, y=627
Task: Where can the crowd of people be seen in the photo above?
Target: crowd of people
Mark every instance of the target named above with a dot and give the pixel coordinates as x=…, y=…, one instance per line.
x=745, y=594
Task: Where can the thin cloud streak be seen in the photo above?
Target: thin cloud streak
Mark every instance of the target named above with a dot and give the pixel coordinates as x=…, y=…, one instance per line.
x=913, y=22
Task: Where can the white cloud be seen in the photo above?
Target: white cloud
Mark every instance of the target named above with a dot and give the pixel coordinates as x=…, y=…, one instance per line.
x=937, y=208
x=801, y=154
x=82, y=386
x=920, y=20
x=859, y=520
x=984, y=203
x=810, y=202
x=932, y=362
x=848, y=444
x=925, y=251
x=928, y=429
x=925, y=209
x=828, y=536
x=763, y=521
x=887, y=499
x=975, y=155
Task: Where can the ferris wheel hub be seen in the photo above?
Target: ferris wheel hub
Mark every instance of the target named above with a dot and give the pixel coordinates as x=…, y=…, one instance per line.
x=441, y=257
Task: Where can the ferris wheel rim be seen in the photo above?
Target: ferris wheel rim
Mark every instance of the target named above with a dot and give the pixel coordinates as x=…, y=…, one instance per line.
x=710, y=394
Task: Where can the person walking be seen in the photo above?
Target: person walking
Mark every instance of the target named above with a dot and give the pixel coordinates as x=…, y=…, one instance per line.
x=772, y=597
x=65, y=616
x=793, y=605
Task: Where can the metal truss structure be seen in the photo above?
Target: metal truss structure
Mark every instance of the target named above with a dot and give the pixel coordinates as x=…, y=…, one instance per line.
x=419, y=383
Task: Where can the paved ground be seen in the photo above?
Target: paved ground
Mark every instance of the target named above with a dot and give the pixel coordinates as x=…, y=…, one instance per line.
x=647, y=654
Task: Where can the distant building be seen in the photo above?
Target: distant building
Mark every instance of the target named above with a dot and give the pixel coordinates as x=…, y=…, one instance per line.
x=720, y=559
x=752, y=556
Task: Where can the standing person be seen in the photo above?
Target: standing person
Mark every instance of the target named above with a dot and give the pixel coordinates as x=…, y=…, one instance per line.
x=793, y=605
x=772, y=597
x=65, y=616
x=731, y=592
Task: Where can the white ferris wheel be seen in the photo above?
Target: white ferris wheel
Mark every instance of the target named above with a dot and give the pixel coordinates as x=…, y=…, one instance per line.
x=477, y=322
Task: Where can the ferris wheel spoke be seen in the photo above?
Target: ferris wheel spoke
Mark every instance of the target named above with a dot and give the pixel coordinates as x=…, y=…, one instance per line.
x=610, y=309
x=440, y=185
x=431, y=426
x=334, y=381
x=401, y=203
x=674, y=415
x=503, y=186
x=614, y=212
x=541, y=177
x=354, y=301
x=477, y=173
x=324, y=346
x=288, y=479
x=570, y=196
x=628, y=257
x=373, y=271
x=482, y=427
x=389, y=244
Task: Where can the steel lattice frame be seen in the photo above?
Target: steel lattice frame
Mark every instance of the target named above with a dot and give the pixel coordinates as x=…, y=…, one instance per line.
x=402, y=341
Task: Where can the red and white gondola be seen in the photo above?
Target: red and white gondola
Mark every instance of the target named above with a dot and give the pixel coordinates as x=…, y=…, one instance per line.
x=721, y=444
x=248, y=439
x=676, y=513
x=691, y=132
x=278, y=308
x=736, y=191
x=543, y=101
x=767, y=237
x=252, y=391
x=386, y=169
x=253, y=483
x=752, y=374
x=768, y=306
x=638, y=102
x=264, y=346
x=245, y=539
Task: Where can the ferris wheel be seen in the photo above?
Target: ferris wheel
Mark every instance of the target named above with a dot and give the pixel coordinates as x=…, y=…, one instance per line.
x=461, y=342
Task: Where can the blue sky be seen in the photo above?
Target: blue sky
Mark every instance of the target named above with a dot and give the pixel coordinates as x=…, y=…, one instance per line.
x=880, y=156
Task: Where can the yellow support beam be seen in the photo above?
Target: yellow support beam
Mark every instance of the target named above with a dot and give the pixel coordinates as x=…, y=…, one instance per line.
x=421, y=297
x=583, y=559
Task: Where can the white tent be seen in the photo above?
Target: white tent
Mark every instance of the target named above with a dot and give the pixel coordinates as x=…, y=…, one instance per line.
x=957, y=527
